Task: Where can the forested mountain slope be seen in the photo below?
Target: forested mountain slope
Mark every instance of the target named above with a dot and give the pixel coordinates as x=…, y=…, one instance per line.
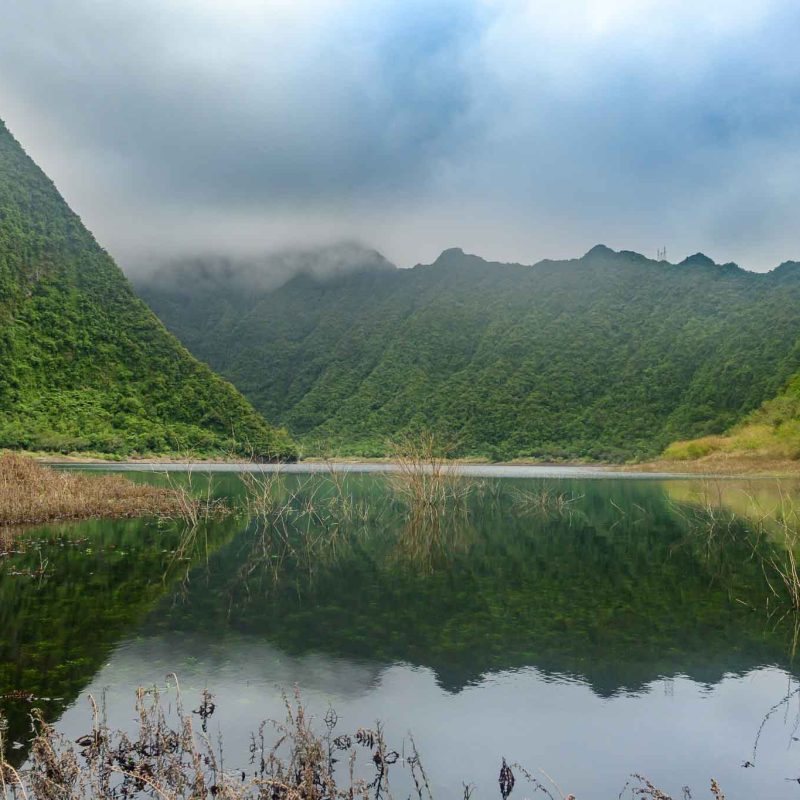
x=609, y=356
x=771, y=432
x=84, y=364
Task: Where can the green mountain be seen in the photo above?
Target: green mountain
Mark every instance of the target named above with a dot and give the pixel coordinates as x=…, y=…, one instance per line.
x=84, y=364
x=771, y=432
x=608, y=356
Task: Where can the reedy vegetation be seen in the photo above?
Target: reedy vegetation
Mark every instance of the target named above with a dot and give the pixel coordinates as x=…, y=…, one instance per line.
x=31, y=493
x=307, y=515
x=772, y=533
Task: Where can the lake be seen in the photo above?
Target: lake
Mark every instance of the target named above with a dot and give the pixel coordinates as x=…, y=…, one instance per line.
x=586, y=624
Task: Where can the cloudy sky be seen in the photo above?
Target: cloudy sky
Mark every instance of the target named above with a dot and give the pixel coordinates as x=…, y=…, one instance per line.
x=516, y=129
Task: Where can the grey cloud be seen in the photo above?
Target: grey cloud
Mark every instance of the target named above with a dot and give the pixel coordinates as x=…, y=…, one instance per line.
x=257, y=272
x=516, y=129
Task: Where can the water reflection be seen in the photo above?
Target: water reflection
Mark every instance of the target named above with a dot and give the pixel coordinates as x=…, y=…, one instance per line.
x=577, y=621
x=618, y=590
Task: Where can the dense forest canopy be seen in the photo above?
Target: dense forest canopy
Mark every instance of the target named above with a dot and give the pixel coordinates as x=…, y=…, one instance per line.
x=608, y=356
x=84, y=364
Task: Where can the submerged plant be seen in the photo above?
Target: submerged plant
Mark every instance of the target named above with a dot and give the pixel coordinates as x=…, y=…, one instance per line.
x=544, y=501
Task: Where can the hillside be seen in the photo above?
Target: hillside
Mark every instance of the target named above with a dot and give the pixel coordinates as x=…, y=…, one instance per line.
x=609, y=356
x=771, y=433
x=84, y=364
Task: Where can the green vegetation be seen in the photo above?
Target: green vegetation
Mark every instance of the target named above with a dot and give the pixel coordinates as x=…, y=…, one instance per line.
x=611, y=356
x=84, y=364
x=770, y=433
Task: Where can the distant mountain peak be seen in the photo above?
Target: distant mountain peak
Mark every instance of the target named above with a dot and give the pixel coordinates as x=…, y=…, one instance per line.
x=449, y=253
x=262, y=272
x=600, y=250
x=455, y=256
x=788, y=270
x=698, y=260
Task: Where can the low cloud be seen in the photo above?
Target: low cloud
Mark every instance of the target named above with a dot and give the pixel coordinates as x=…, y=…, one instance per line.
x=517, y=130
x=257, y=272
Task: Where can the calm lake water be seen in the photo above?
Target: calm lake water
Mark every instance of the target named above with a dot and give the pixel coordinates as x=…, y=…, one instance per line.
x=587, y=627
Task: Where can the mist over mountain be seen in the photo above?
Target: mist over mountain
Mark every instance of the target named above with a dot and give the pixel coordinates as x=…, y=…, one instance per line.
x=260, y=272
x=611, y=355
x=507, y=127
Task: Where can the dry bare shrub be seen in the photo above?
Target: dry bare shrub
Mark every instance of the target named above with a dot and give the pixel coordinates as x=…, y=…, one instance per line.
x=32, y=493
x=424, y=479
x=263, y=492
x=433, y=492
x=172, y=756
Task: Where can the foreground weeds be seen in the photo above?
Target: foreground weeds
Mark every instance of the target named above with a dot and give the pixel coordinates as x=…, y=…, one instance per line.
x=31, y=493
x=172, y=755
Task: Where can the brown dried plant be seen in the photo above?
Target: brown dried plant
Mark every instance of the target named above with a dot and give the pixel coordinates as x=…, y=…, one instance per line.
x=32, y=493
x=172, y=756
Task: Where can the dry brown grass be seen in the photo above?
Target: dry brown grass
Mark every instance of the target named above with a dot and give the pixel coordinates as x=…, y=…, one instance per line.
x=721, y=464
x=31, y=493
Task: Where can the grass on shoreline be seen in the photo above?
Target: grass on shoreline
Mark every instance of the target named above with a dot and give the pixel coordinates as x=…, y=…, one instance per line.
x=723, y=464
x=769, y=434
x=713, y=455
x=31, y=493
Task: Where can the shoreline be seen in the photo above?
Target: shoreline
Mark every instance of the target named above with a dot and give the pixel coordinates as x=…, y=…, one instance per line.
x=710, y=467
x=475, y=470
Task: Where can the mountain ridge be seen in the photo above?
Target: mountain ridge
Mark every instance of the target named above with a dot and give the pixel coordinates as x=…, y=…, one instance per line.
x=84, y=364
x=608, y=356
